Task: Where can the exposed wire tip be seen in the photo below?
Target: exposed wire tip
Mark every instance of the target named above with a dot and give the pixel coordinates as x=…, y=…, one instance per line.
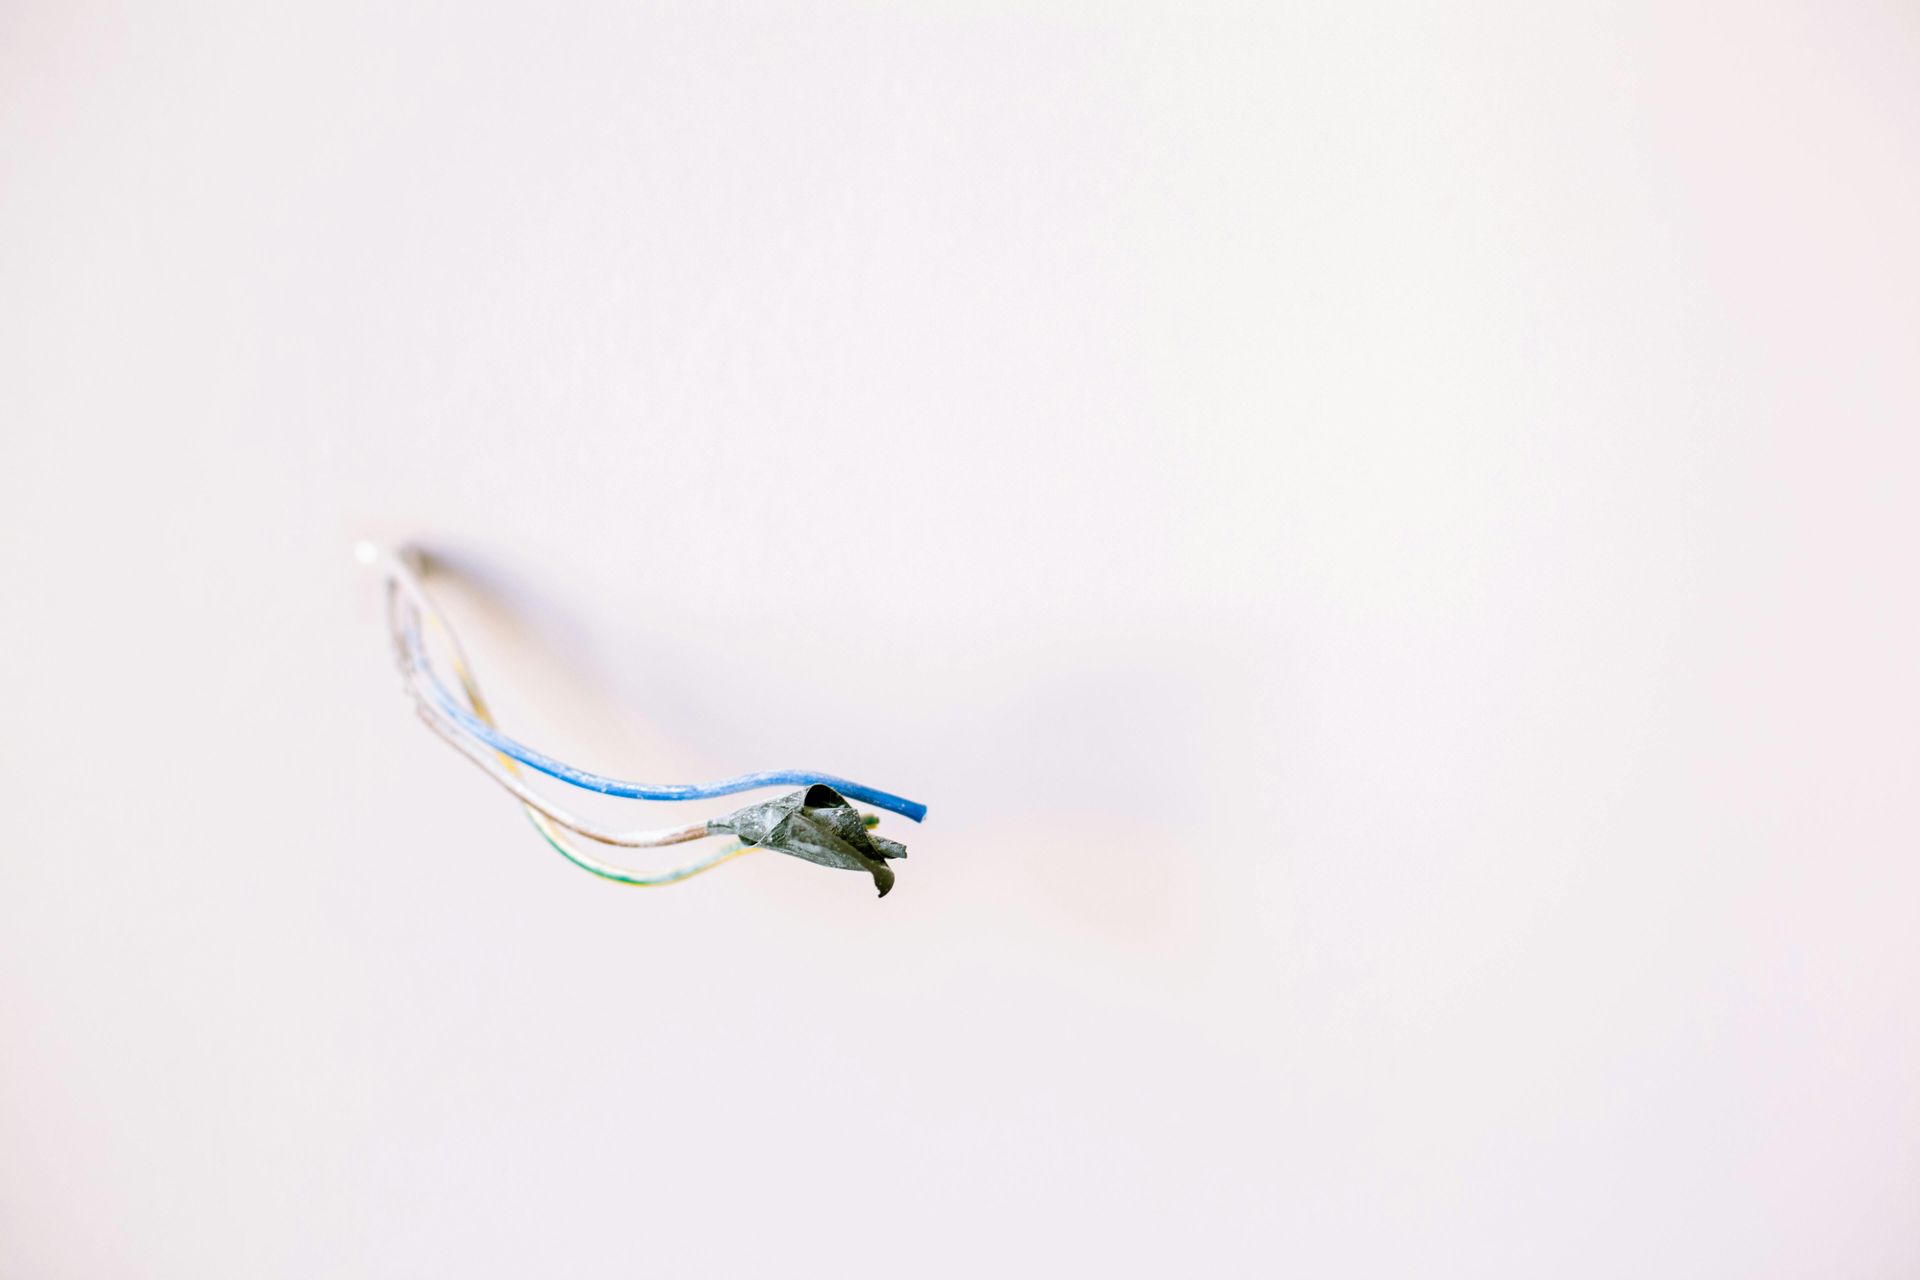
x=820, y=826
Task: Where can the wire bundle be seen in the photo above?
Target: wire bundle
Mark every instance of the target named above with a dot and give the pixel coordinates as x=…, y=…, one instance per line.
x=465, y=723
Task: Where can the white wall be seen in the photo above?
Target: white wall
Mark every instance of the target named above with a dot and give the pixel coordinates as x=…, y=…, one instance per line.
x=1384, y=534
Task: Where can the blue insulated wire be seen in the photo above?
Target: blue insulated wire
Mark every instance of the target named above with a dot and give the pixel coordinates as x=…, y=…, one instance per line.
x=639, y=791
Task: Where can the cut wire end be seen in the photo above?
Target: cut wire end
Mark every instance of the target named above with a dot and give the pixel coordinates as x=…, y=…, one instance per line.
x=820, y=826
x=816, y=824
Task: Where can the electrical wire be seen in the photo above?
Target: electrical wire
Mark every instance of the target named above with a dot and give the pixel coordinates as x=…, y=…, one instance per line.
x=621, y=875
x=461, y=725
